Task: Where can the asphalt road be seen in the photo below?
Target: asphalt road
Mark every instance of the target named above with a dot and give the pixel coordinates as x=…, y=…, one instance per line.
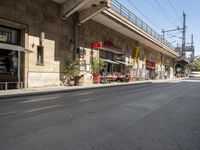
x=152, y=116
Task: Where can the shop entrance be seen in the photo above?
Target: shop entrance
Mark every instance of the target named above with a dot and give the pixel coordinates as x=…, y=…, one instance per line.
x=113, y=61
x=8, y=66
x=9, y=69
x=10, y=58
x=111, y=66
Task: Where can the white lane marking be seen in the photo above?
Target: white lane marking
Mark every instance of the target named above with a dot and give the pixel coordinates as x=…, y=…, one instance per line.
x=8, y=113
x=40, y=99
x=86, y=100
x=41, y=108
x=84, y=93
x=150, y=88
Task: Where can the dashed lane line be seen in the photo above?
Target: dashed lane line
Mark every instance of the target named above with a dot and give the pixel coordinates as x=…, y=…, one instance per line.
x=41, y=108
x=86, y=100
x=40, y=99
x=8, y=113
x=84, y=93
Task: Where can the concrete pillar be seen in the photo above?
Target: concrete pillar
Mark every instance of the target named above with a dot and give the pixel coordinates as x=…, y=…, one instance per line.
x=76, y=33
x=19, y=69
x=26, y=57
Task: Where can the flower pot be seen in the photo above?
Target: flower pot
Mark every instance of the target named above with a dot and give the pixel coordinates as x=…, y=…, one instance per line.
x=96, y=78
x=71, y=82
x=79, y=80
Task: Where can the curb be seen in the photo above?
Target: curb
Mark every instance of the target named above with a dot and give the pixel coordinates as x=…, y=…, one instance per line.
x=35, y=93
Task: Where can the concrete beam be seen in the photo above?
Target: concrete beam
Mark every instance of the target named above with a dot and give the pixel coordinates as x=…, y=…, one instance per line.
x=69, y=7
x=91, y=12
x=72, y=6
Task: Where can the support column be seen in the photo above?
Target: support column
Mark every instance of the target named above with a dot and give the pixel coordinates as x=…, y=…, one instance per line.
x=161, y=55
x=18, y=70
x=76, y=34
x=25, y=44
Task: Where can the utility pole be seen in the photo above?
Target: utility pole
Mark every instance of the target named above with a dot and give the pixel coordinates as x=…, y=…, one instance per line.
x=191, y=49
x=192, y=46
x=184, y=35
x=183, y=48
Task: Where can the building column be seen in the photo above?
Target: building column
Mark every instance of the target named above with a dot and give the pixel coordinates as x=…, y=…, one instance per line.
x=25, y=43
x=161, y=55
x=76, y=34
x=19, y=70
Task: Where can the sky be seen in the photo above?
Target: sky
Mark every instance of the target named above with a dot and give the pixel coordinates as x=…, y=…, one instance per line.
x=167, y=15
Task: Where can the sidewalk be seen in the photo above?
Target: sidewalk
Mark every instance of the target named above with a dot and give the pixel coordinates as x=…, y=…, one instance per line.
x=48, y=90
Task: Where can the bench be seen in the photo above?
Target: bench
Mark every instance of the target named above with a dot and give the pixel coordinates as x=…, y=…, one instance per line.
x=4, y=85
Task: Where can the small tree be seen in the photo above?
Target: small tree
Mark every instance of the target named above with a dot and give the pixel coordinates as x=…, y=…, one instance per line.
x=98, y=65
x=196, y=65
x=72, y=69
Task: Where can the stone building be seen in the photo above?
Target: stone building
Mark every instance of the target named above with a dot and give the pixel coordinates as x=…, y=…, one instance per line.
x=36, y=37
x=34, y=33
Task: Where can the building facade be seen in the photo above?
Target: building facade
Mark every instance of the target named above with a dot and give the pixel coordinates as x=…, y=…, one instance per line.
x=36, y=38
x=33, y=33
x=120, y=51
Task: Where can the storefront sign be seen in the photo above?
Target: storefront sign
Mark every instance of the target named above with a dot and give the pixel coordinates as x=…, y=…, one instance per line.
x=97, y=44
x=108, y=43
x=150, y=64
x=111, y=45
x=3, y=38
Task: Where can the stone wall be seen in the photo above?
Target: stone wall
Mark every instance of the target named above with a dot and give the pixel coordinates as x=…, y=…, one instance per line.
x=92, y=31
x=38, y=16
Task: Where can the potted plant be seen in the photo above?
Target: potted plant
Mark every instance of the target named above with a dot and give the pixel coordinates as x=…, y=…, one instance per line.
x=97, y=66
x=71, y=70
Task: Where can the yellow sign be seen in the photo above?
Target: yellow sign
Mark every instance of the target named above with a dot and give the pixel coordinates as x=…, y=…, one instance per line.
x=136, y=50
x=3, y=38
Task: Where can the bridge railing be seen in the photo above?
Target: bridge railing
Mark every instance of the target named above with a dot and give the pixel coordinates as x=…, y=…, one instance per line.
x=119, y=8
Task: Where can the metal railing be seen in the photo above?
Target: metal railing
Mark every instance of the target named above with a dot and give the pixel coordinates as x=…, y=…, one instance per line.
x=119, y=8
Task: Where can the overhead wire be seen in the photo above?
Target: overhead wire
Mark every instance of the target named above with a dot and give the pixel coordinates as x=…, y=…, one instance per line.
x=174, y=9
x=161, y=8
x=131, y=3
x=157, y=10
x=161, y=11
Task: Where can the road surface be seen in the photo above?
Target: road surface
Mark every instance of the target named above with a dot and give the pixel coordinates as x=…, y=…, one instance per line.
x=151, y=116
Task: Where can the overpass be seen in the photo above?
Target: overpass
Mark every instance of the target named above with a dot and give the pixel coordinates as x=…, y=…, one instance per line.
x=114, y=15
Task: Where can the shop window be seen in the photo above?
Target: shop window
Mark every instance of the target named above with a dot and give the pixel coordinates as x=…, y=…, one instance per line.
x=102, y=54
x=118, y=57
x=40, y=55
x=110, y=55
x=8, y=62
x=9, y=35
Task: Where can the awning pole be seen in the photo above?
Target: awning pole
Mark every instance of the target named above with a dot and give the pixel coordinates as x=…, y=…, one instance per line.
x=18, y=70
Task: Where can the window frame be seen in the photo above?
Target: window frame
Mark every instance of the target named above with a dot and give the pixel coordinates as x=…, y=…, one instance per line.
x=40, y=61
